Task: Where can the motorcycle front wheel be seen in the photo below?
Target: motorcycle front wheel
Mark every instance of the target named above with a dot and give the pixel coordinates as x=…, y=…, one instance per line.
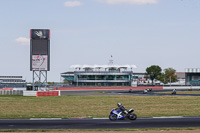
x=132, y=116
x=113, y=117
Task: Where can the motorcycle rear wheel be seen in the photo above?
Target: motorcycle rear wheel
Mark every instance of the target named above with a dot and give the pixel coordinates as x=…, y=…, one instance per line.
x=132, y=116
x=113, y=117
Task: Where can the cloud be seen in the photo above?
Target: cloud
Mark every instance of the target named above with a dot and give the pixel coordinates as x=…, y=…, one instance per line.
x=135, y=2
x=72, y=3
x=23, y=40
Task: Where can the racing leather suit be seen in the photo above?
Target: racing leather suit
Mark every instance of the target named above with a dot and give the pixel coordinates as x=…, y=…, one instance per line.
x=123, y=109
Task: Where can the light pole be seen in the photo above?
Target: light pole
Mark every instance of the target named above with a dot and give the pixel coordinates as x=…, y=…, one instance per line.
x=77, y=80
x=164, y=82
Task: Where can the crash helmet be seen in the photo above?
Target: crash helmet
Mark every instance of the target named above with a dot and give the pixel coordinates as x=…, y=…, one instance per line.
x=119, y=104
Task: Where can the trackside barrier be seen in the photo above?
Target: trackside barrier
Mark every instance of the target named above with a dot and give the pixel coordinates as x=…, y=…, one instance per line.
x=23, y=88
x=29, y=93
x=47, y=93
x=7, y=89
x=11, y=92
x=182, y=88
x=104, y=88
x=35, y=93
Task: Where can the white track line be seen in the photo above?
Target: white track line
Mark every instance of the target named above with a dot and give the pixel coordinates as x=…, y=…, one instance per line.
x=45, y=118
x=164, y=117
x=118, y=122
x=100, y=118
x=168, y=117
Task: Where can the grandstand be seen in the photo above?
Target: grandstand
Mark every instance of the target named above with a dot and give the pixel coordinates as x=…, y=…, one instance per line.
x=100, y=75
x=12, y=81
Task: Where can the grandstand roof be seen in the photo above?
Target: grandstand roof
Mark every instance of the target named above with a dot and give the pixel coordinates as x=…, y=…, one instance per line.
x=102, y=66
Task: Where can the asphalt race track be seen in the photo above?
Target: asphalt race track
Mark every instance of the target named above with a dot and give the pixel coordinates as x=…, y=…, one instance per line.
x=99, y=123
x=123, y=92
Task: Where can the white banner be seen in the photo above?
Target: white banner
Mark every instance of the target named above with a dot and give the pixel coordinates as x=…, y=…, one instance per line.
x=39, y=62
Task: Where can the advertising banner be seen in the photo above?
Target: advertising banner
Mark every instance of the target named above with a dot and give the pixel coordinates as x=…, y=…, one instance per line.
x=39, y=62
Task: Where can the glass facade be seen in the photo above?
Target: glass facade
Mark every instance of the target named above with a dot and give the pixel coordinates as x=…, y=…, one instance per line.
x=101, y=84
x=103, y=77
x=99, y=78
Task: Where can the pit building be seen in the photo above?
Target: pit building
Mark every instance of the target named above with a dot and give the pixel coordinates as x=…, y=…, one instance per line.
x=100, y=75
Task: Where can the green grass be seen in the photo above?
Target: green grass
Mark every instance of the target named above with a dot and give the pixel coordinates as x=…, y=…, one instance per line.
x=99, y=92
x=19, y=107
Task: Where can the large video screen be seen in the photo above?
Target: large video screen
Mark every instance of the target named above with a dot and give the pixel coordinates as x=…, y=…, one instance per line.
x=39, y=47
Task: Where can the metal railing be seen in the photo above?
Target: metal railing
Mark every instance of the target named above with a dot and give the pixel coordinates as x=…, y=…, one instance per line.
x=101, y=79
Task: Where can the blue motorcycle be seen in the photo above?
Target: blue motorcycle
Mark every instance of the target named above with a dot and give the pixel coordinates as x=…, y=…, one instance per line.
x=117, y=114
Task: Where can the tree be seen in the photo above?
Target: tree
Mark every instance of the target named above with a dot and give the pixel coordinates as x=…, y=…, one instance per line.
x=153, y=72
x=50, y=83
x=162, y=77
x=65, y=81
x=168, y=76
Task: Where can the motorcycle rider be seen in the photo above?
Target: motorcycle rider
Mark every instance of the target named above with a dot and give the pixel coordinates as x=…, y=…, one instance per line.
x=123, y=109
x=174, y=91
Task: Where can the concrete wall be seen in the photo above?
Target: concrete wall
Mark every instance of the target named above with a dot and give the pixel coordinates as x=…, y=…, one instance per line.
x=29, y=93
x=182, y=87
x=35, y=93
x=23, y=93
x=22, y=88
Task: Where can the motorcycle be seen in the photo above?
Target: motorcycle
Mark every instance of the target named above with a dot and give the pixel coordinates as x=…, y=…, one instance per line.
x=174, y=93
x=117, y=114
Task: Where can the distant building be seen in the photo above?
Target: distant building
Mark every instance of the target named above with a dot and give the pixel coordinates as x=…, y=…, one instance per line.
x=180, y=78
x=192, y=76
x=100, y=75
x=11, y=81
x=143, y=80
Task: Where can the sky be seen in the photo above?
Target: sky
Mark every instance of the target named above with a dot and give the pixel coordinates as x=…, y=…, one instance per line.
x=139, y=32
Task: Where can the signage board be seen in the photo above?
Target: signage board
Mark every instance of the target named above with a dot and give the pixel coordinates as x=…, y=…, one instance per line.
x=40, y=34
x=39, y=62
